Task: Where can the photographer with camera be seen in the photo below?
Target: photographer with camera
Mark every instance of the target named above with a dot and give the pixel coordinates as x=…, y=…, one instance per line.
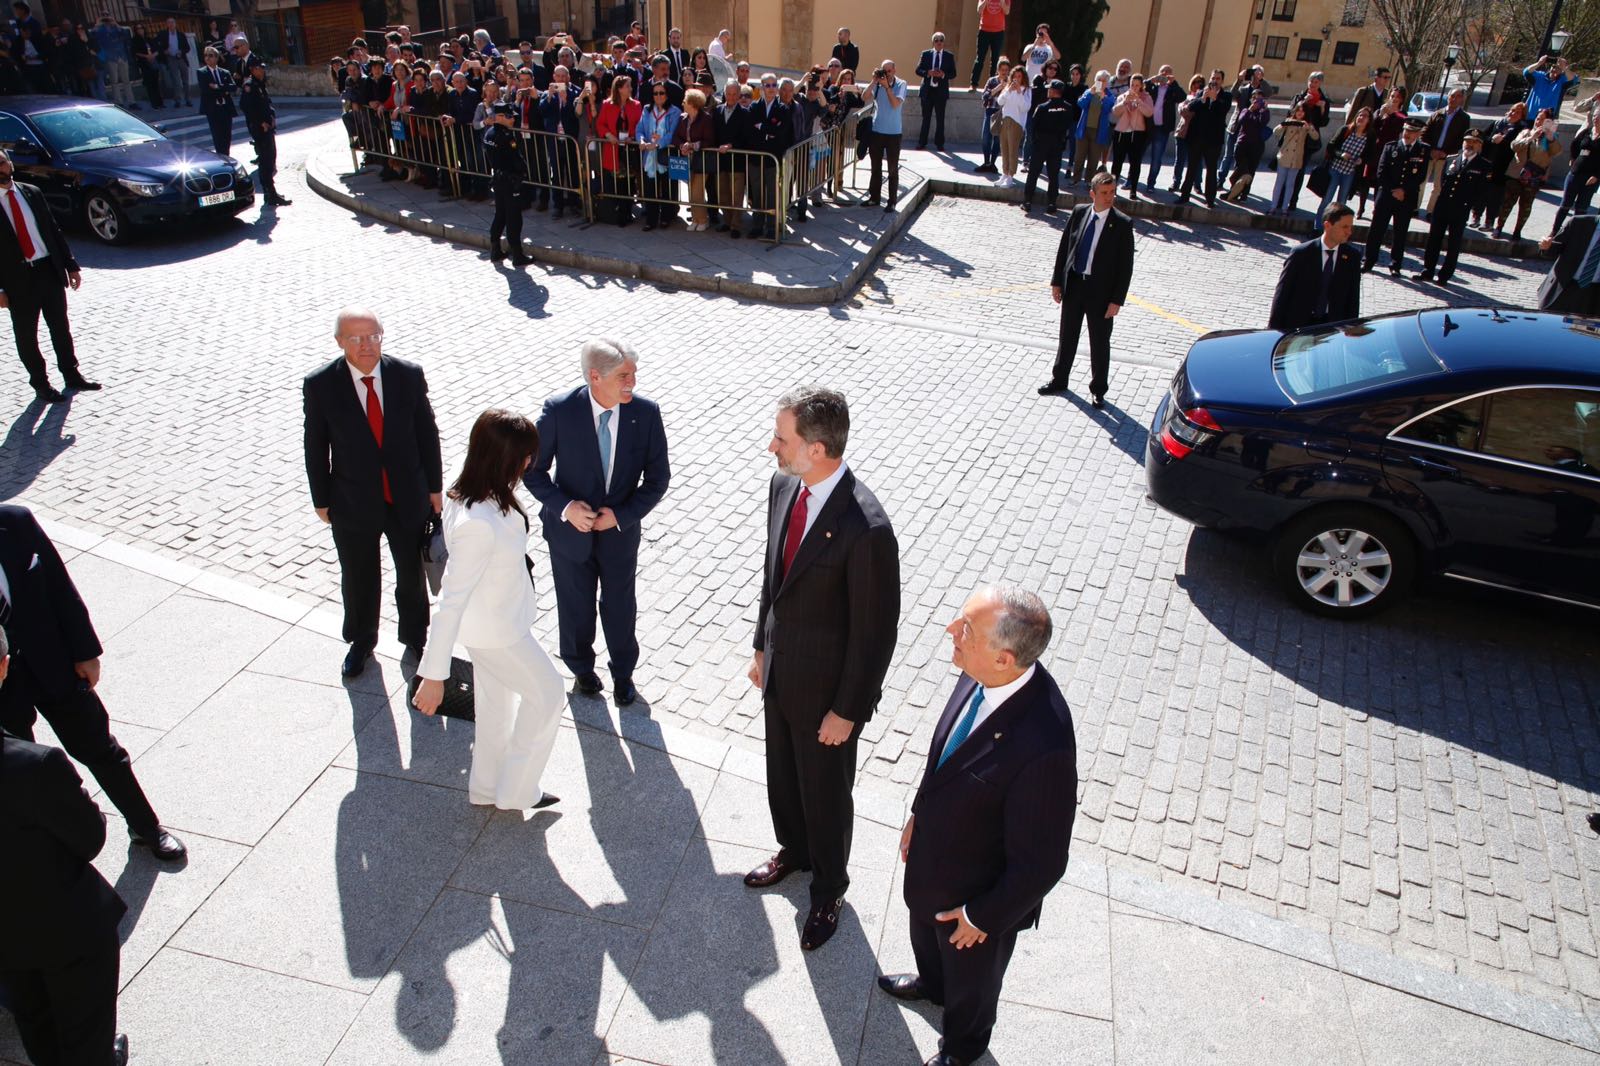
x=889, y=94
x=507, y=170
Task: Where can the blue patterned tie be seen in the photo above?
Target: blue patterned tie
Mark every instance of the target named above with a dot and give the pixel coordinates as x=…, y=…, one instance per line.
x=1080, y=255
x=962, y=729
x=605, y=446
x=1591, y=265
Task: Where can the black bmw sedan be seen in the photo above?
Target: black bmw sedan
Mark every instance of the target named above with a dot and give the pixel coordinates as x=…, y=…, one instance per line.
x=1463, y=442
x=101, y=166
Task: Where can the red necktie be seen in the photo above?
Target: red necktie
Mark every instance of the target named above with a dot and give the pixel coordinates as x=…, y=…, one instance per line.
x=797, y=530
x=375, y=420
x=20, y=224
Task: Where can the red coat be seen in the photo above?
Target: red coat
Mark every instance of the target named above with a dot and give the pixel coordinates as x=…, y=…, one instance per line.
x=614, y=120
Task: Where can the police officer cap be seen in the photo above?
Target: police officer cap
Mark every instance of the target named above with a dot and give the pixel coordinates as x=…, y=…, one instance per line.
x=1474, y=134
x=1058, y=85
x=1416, y=124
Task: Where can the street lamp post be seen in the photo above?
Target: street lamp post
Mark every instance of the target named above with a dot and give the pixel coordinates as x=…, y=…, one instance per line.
x=1451, y=54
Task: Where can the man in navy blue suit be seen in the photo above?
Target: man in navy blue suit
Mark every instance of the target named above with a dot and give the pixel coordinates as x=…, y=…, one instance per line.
x=992, y=820
x=937, y=69
x=610, y=454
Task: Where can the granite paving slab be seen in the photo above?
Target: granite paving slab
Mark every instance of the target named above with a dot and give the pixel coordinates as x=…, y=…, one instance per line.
x=1402, y=1028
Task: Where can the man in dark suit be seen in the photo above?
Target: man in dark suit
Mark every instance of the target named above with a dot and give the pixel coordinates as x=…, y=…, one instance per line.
x=825, y=632
x=1368, y=96
x=372, y=458
x=678, y=56
x=36, y=269
x=1321, y=279
x=55, y=668
x=1459, y=187
x=217, y=84
x=772, y=134
x=992, y=820
x=1401, y=168
x=1444, y=134
x=937, y=69
x=60, y=956
x=609, y=449
x=1571, y=286
x=1094, y=265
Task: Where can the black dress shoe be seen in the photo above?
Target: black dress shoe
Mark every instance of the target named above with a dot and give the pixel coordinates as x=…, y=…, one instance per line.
x=942, y=1059
x=414, y=650
x=1594, y=822
x=1097, y=401
x=589, y=684
x=626, y=693
x=355, y=660
x=822, y=923
x=771, y=872
x=1394, y=272
x=1426, y=275
x=119, y=1048
x=520, y=260
x=907, y=986
x=1050, y=388
x=546, y=799
x=284, y=201
x=50, y=394
x=79, y=383
x=163, y=845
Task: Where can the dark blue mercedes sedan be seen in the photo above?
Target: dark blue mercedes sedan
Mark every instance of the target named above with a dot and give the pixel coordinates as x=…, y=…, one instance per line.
x=101, y=166
x=1463, y=442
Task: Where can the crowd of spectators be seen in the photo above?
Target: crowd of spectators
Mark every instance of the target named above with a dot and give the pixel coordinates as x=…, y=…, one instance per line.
x=653, y=126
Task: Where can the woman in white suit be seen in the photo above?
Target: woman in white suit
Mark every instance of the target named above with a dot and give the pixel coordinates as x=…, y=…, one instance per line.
x=487, y=604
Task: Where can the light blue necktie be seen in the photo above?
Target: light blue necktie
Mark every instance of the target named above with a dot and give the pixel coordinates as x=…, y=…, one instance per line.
x=605, y=446
x=963, y=728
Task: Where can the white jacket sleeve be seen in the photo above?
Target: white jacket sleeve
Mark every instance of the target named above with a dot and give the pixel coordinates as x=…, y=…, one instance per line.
x=471, y=548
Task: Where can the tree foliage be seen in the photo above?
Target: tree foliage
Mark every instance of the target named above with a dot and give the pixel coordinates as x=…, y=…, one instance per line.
x=1074, y=26
x=1417, y=32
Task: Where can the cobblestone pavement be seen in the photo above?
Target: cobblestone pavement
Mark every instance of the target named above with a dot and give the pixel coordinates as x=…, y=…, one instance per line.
x=1418, y=783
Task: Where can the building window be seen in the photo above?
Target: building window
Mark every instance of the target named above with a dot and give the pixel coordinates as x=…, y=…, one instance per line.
x=1255, y=41
x=1344, y=53
x=1277, y=47
x=1283, y=10
x=1310, y=51
x=1355, y=13
x=1261, y=9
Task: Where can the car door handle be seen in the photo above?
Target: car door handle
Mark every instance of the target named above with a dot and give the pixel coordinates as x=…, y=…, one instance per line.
x=1430, y=465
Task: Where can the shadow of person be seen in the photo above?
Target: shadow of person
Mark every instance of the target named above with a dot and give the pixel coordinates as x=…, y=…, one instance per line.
x=135, y=883
x=523, y=291
x=1125, y=431
x=375, y=867
x=32, y=444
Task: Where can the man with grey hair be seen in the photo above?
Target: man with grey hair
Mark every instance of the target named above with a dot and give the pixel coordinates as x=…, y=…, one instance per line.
x=825, y=633
x=609, y=450
x=375, y=470
x=992, y=820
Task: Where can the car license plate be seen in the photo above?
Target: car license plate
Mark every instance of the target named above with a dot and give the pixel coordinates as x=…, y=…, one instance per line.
x=216, y=198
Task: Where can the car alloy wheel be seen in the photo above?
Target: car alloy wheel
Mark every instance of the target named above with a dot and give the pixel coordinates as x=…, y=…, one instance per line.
x=1345, y=562
x=104, y=218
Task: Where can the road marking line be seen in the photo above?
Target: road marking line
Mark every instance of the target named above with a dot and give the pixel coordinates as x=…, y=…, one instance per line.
x=1162, y=312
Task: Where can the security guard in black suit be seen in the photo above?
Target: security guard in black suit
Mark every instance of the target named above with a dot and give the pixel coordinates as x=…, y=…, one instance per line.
x=508, y=168
x=1053, y=122
x=1460, y=186
x=217, y=86
x=1401, y=168
x=261, y=119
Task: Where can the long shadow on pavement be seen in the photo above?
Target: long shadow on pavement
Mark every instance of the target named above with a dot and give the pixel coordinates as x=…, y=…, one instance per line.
x=32, y=444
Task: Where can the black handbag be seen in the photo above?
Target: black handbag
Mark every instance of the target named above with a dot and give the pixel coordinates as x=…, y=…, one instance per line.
x=457, y=701
x=1318, y=180
x=434, y=552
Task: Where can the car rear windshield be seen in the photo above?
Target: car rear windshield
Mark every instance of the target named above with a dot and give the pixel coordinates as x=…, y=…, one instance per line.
x=1351, y=357
x=82, y=129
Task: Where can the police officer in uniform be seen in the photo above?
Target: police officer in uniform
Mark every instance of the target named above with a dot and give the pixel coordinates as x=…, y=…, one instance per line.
x=261, y=119
x=1460, y=186
x=216, y=100
x=1053, y=121
x=508, y=169
x=1401, y=168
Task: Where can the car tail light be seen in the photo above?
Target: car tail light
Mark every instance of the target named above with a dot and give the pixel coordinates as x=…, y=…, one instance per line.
x=1187, y=429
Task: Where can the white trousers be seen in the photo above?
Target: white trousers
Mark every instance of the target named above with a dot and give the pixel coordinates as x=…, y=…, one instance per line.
x=518, y=696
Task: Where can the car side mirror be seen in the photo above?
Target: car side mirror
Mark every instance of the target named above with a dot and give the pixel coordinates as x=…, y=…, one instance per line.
x=25, y=152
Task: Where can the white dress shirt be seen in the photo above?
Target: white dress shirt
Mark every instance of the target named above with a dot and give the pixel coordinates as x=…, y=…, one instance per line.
x=5, y=585
x=715, y=48
x=1099, y=231
x=993, y=699
x=39, y=250
x=361, y=389
x=819, y=496
x=596, y=411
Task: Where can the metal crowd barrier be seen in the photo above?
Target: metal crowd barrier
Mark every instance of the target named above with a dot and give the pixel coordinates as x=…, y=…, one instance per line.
x=734, y=182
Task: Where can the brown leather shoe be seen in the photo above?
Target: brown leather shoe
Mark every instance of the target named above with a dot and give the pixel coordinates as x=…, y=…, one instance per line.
x=821, y=925
x=771, y=872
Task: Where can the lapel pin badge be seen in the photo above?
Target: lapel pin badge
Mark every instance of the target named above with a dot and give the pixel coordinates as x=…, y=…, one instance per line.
x=828, y=533
x=997, y=736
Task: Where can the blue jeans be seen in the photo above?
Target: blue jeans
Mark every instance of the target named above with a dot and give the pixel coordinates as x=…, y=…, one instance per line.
x=1338, y=190
x=989, y=139
x=1283, y=192
x=1068, y=155
x=1230, y=144
x=1159, y=136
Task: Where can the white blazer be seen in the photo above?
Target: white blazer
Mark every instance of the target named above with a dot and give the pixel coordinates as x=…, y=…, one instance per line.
x=485, y=599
